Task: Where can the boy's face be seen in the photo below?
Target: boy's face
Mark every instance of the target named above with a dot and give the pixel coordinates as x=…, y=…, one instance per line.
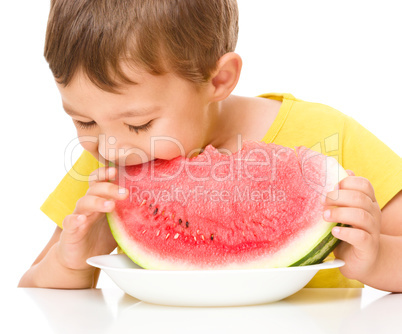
x=160, y=117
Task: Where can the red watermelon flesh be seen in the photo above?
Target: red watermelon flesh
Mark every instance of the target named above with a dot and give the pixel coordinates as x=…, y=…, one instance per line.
x=257, y=208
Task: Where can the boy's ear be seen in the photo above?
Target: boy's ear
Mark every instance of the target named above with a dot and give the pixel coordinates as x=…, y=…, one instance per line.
x=226, y=76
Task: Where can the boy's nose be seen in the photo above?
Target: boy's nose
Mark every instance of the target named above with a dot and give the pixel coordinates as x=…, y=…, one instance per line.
x=107, y=148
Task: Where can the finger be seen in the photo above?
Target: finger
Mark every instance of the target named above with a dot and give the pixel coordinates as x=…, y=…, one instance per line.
x=353, y=236
x=351, y=198
x=72, y=222
x=355, y=217
x=93, y=204
x=107, y=190
x=102, y=174
x=350, y=172
x=360, y=184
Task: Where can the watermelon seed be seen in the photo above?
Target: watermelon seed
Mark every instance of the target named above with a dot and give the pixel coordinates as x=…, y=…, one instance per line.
x=144, y=231
x=187, y=223
x=150, y=205
x=180, y=221
x=157, y=233
x=212, y=237
x=176, y=236
x=167, y=235
x=202, y=237
x=155, y=212
x=195, y=238
x=198, y=231
x=262, y=224
x=143, y=202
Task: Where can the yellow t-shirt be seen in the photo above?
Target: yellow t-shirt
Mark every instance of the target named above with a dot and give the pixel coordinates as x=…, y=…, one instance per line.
x=298, y=123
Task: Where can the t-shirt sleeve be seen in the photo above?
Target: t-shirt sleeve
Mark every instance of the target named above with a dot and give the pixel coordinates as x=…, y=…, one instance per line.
x=61, y=202
x=368, y=156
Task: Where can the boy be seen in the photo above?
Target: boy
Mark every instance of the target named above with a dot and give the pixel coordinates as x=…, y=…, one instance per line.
x=153, y=79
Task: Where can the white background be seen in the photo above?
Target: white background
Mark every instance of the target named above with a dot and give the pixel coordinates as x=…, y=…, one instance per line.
x=345, y=54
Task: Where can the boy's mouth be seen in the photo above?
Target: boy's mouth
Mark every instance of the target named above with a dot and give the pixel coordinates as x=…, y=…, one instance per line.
x=117, y=164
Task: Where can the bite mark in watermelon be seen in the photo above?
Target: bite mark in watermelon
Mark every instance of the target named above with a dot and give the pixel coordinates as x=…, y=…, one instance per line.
x=257, y=208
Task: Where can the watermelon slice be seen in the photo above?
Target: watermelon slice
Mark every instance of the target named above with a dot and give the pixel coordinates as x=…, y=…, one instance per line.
x=258, y=208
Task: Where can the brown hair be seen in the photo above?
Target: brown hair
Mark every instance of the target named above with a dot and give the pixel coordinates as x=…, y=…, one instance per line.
x=186, y=37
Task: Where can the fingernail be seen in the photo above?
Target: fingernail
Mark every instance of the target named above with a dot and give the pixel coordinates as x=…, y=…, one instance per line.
x=327, y=214
x=336, y=230
x=123, y=191
x=107, y=204
x=81, y=218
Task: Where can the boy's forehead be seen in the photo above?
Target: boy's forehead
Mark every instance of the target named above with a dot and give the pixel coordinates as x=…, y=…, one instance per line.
x=81, y=90
x=141, y=80
x=136, y=76
x=81, y=97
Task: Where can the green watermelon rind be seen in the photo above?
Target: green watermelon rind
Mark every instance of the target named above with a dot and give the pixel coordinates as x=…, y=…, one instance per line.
x=312, y=255
x=320, y=251
x=122, y=240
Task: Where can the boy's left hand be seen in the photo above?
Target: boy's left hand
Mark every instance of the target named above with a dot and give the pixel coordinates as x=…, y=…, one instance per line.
x=356, y=206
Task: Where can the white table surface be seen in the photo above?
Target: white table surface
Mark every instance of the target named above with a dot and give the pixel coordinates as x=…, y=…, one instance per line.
x=109, y=310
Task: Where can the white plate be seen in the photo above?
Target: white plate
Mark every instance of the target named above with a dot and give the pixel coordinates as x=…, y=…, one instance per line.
x=207, y=287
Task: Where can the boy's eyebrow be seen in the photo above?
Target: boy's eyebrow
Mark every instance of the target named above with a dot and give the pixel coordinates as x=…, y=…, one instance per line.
x=71, y=112
x=128, y=113
x=137, y=112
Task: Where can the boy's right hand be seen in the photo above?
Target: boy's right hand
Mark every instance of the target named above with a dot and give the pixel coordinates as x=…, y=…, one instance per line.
x=86, y=232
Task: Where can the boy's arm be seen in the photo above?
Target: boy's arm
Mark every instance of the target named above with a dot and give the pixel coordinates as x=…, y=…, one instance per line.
x=387, y=273
x=47, y=271
x=391, y=216
x=86, y=233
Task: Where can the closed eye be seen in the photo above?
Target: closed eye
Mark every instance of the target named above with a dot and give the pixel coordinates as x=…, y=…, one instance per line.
x=85, y=125
x=133, y=128
x=137, y=129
